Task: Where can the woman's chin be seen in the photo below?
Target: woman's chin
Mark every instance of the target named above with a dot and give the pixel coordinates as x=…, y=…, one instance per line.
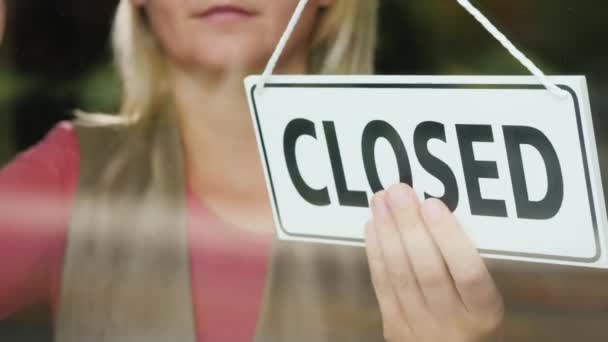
x=232, y=64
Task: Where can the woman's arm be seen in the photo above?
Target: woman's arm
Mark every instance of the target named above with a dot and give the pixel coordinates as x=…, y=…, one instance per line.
x=35, y=200
x=431, y=282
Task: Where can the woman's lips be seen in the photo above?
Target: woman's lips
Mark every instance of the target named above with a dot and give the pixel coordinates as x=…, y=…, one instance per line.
x=225, y=12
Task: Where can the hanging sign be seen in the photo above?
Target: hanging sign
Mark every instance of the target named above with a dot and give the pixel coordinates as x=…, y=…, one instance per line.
x=516, y=164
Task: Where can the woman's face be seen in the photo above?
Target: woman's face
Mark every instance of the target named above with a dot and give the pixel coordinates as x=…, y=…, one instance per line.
x=223, y=35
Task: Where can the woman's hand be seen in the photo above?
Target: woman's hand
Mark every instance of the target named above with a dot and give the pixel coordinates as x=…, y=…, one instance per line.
x=431, y=282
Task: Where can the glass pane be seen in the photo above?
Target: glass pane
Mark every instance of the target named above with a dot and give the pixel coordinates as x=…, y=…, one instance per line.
x=56, y=58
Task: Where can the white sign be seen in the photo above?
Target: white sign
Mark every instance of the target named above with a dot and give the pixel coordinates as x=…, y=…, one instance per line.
x=516, y=164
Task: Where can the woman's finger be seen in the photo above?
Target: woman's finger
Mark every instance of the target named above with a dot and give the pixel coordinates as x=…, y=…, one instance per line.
x=471, y=277
x=427, y=262
x=392, y=317
x=398, y=267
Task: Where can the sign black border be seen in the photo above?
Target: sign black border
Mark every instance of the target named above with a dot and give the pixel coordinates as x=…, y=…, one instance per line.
x=441, y=86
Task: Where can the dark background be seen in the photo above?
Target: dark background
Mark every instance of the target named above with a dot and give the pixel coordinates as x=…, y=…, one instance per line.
x=56, y=58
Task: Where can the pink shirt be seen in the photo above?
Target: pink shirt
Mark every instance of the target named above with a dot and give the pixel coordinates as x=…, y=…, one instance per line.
x=228, y=266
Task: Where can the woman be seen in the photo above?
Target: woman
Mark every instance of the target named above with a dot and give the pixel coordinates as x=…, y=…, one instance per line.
x=182, y=154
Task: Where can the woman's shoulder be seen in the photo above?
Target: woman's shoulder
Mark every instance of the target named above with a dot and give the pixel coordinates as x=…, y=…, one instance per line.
x=62, y=135
x=53, y=160
x=62, y=144
x=59, y=147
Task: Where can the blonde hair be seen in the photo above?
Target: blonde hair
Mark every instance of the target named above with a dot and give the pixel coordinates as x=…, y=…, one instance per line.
x=344, y=43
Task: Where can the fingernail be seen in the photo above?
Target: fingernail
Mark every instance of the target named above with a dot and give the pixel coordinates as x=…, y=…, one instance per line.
x=379, y=207
x=401, y=196
x=433, y=210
